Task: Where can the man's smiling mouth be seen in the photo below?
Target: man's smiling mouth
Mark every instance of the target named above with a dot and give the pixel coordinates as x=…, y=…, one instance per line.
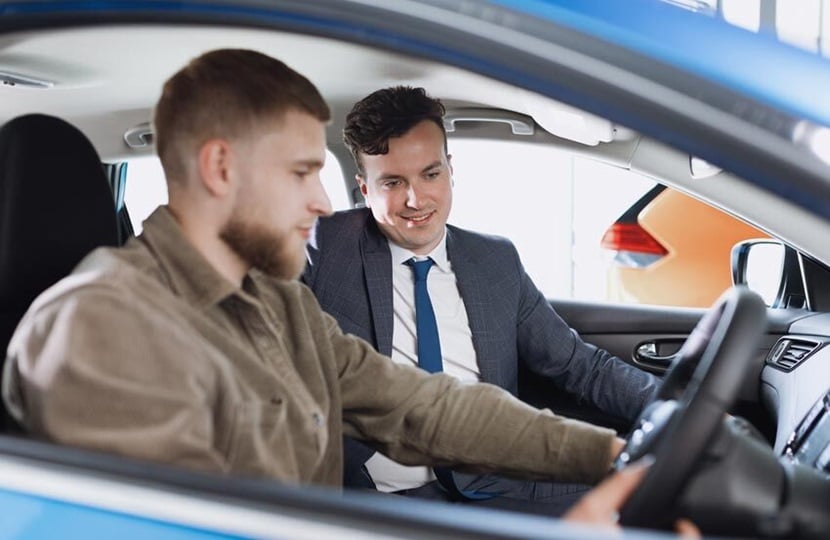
x=419, y=219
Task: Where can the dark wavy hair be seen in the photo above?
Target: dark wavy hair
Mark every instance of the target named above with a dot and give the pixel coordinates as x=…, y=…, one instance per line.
x=388, y=113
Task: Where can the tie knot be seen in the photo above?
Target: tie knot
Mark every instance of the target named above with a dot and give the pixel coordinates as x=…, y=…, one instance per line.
x=420, y=268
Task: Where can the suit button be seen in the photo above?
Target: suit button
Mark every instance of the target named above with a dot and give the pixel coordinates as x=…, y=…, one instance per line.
x=318, y=419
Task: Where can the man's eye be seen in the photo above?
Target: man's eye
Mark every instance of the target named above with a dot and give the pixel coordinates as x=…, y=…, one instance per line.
x=391, y=183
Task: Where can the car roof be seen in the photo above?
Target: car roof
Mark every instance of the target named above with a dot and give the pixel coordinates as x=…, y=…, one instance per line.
x=756, y=64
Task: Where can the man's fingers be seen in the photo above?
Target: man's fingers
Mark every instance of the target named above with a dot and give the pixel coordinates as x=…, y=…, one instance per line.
x=601, y=504
x=687, y=529
x=615, y=490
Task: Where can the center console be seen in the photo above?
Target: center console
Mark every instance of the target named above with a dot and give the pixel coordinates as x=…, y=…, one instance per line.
x=809, y=444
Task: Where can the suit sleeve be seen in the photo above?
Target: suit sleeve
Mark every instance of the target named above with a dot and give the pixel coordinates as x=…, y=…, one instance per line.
x=421, y=419
x=549, y=347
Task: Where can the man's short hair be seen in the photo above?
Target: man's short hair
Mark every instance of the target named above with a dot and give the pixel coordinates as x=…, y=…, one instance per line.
x=388, y=113
x=226, y=94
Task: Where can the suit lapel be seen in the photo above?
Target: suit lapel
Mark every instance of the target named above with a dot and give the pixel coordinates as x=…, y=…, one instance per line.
x=474, y=289
x=377, y=269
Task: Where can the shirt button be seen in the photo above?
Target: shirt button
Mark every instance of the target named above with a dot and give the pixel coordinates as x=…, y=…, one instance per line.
x=318, y=419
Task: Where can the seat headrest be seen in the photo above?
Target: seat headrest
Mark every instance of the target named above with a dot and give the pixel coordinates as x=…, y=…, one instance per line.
x=56, y=206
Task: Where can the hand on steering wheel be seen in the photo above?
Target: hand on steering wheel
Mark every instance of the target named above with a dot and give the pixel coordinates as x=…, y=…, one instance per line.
x=676, y=428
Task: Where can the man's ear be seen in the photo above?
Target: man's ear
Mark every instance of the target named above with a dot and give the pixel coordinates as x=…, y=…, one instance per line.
x=361, y=183
x=214, y=164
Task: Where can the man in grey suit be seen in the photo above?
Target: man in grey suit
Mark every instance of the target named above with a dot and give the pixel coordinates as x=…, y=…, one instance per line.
x=489, y=314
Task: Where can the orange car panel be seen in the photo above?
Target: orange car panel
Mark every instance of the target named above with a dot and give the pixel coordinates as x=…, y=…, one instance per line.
x=697, y=268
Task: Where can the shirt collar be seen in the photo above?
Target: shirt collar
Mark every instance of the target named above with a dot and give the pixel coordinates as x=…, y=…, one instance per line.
x=189, y=273
x=438, y=254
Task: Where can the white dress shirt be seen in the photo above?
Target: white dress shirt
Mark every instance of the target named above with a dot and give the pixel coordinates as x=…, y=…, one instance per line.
x=458, y=354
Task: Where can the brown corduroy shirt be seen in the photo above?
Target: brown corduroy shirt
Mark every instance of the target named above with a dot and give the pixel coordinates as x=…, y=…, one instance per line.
x=148, y=352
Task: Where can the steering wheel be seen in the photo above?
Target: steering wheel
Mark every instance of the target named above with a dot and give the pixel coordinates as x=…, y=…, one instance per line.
x=676, y=428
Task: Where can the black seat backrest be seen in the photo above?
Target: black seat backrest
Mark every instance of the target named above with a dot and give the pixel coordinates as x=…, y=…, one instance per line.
x=56, y=206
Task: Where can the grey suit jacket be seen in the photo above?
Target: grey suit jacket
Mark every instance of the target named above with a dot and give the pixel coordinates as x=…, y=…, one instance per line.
x=350, y=272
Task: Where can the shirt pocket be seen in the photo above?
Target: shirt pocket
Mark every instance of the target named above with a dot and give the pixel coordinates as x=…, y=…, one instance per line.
x=265, y=441
x=254, y=427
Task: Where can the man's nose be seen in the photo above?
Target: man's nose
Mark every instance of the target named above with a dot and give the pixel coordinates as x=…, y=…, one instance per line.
x=413, y=196
x=320, y=203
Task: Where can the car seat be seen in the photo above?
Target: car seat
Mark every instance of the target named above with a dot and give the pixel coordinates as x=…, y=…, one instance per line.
x=56, y=205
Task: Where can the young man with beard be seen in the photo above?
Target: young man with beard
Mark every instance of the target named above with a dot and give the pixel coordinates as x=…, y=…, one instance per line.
x=489, y=315
x=195, y=345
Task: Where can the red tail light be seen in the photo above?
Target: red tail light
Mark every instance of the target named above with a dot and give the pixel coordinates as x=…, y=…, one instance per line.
x=631, y=237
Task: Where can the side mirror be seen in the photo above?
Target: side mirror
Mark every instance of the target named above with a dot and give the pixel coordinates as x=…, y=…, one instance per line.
x=759, y=264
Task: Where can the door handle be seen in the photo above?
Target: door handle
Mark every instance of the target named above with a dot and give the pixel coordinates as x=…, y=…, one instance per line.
x=657, y=355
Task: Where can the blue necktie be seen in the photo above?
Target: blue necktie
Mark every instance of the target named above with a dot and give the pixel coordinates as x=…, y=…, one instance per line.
x=429, y=359
x=429, y=346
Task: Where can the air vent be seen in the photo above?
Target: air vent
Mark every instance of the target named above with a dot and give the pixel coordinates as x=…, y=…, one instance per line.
x=789, y=352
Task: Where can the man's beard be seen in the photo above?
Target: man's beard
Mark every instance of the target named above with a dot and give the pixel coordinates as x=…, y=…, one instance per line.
x=263, y=248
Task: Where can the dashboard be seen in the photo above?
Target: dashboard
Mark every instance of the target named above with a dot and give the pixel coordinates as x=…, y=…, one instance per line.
x=795, y=386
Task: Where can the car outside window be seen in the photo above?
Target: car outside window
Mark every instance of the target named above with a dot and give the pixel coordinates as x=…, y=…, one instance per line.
x=145, y=189
x=578, y=233
x=593, y=231
x=557, y=224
